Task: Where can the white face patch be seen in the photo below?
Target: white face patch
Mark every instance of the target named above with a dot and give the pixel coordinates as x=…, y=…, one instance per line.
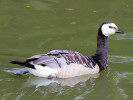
x=108, y=29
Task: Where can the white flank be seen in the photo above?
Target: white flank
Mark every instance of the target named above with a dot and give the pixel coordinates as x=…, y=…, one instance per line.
x=42, y=71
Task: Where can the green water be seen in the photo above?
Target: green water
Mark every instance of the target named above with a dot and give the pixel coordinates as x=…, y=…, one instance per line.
x=29, y=27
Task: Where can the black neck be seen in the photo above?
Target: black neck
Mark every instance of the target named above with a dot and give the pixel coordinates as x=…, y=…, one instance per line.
x=101, y=55
x=101, y=42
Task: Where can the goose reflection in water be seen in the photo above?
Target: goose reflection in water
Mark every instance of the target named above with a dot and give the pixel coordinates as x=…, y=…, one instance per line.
x=71, y=82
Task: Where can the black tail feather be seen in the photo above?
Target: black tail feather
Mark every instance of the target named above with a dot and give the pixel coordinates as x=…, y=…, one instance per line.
x=23, y=63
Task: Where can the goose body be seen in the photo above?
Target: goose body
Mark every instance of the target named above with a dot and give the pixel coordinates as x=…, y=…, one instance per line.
x=68, y=63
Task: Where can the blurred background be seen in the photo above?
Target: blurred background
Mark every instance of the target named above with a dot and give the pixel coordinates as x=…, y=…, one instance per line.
x=30, y=27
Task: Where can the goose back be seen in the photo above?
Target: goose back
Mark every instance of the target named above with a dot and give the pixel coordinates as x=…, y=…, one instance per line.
x=60, y=58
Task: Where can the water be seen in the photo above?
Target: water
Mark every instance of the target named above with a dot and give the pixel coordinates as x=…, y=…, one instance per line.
x=38, y=26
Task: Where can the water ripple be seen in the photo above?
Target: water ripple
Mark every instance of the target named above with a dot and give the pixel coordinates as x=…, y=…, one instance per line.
x=17, y=70
x=125, y=75
x=125, y=36
x=120, y=79
x=120, y=59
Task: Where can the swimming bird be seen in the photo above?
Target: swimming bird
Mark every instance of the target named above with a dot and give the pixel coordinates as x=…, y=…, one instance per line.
x=68, y=63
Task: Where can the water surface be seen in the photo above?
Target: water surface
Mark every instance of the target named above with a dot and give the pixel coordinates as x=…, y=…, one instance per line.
x=38, y=26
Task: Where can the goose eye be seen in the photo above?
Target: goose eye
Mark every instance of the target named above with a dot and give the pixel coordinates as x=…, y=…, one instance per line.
x=110, y=27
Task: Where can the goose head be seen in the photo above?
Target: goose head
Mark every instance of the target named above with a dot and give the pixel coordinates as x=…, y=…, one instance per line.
x=109, y=28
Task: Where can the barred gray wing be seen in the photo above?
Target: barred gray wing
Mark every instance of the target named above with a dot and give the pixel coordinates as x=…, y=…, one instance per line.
x=60, y=58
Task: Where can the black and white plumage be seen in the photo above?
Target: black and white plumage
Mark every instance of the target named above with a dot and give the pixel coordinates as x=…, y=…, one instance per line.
x=67, y=63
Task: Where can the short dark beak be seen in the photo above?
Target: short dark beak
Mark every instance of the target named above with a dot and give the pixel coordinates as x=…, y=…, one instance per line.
x=118, y=31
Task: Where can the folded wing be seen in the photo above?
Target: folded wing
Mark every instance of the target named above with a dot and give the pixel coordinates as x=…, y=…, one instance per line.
x=60, y=58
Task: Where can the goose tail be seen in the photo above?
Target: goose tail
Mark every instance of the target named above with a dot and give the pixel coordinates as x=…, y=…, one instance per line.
x=23, y=63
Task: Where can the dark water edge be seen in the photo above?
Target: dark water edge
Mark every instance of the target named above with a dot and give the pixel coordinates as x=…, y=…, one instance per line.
x=38, y=26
